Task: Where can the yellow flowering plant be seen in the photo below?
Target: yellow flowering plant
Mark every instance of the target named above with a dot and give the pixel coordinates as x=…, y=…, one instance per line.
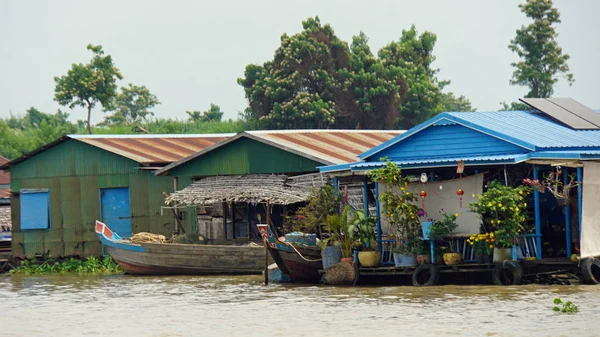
x=503, y=208
x=482, y=243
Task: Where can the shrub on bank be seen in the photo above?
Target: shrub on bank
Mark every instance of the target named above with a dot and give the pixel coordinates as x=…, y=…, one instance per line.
x=90, y=265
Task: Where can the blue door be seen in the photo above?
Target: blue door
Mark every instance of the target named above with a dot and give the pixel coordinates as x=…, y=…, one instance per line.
x=115, y=210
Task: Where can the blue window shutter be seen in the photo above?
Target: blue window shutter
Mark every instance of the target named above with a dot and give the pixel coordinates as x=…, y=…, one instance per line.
x=35, y=210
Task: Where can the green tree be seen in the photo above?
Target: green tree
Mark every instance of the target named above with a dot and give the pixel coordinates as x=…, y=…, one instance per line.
x=453, y=103
x=542, y=61
x=87, y=85
x=213, y=114
x=132, y=105
x=316, y=81
x=297, y=88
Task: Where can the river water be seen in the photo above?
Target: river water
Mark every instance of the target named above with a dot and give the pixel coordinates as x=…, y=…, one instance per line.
x=71, y=305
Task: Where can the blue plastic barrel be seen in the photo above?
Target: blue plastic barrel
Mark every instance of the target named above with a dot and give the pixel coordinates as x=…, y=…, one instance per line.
x=331, y=255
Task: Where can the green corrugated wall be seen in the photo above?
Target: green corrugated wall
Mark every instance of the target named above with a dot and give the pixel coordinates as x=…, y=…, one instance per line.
x=245, y=156
x=242, y=156
x=74, y=172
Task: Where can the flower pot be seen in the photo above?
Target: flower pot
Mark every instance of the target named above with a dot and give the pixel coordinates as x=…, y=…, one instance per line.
x=487, y=258
x=501, y=254
x=404, y=260
x=369, y=258
x=347, y=259
x=423, y=259
x=452, y=258
x=479, y=258
x=331, y=255
x=562, y=202
x=426, y=227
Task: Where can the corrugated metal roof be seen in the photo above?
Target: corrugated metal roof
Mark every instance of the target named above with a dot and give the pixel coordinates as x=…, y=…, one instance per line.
x=328, y=146
x=513, y=158
x=144, y=149
x=526, y=129
x=153, y=149
x=4, y=193
x=532, y=128
x=4, y=175
x=324, y=146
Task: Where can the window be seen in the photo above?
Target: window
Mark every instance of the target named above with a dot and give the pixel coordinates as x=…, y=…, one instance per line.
x=35, y=209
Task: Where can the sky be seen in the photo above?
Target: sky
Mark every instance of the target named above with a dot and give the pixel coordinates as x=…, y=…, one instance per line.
x=190, y=53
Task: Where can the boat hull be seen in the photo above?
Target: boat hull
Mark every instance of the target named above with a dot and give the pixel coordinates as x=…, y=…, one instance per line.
x=174, y=259
x=300, y=264
x=181, y=259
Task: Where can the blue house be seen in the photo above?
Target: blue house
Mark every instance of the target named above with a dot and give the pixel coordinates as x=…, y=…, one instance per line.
x=509, y=146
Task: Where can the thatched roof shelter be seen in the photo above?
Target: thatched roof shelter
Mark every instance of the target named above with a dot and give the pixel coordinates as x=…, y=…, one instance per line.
x=252, y=188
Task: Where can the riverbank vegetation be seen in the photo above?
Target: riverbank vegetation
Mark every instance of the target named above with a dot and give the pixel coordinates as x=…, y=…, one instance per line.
x=91, y=265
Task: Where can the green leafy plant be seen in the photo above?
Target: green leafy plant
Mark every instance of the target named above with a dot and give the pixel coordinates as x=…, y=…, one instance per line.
x=482, y=243
x=442, y=229
x=92, y=265
x=321, y=203
x=341, y=232
x=566, y=307
x=365, y=230
x=503, y=210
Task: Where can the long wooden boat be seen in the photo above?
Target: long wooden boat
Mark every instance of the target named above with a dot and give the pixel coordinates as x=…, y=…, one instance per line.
x=301, y=264
x=186, y=259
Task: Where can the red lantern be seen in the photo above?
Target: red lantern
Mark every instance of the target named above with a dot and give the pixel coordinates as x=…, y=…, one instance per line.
x=423, y=194
x=460, y=193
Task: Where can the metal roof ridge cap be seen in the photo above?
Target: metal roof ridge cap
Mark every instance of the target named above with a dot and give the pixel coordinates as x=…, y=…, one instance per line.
x=414, y=130
x=324, y=131
x=165, y=135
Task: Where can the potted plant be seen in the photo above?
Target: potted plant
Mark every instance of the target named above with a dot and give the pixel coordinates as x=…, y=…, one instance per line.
x=399, y=207
x=368, y=255
x=483, y=246
x=423, y=257
x=442, y=230
x=503, y=245
x=341, y=233
x=405, y=252
x=552, y=183
x=503, y=210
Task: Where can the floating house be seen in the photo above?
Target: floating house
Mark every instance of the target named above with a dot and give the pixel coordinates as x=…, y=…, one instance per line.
x=558, y=136
x=59, y=190
x=223, y=172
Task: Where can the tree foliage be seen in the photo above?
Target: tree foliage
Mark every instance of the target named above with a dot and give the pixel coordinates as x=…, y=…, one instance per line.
x=542, y=61
x=87, y=85
x=316, y=80
x=213, y=114
x=132, y=105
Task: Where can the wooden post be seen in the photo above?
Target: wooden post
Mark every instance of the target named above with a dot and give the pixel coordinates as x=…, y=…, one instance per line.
x=233, y=219
x=567, y=212
x=224, y=205
x=268, y=212
x=266, y=263
x=266, y=243
x=536, y=212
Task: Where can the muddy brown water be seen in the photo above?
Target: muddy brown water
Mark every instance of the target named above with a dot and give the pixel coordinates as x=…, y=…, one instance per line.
x=71, y=305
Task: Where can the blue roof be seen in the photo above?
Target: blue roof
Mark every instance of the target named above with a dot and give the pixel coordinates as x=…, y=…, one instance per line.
x=528, y=130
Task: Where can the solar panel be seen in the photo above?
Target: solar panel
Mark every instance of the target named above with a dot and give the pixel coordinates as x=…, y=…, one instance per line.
x=578, y=109
x=559, y=113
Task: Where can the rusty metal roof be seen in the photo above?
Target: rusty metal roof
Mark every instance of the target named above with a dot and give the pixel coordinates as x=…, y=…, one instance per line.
x=325, y=146
x=144, y=149
x=153, y=149
x=4, y=175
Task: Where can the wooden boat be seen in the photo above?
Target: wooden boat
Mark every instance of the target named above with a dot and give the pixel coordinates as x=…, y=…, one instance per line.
x=301, y=264
x=188, y=259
